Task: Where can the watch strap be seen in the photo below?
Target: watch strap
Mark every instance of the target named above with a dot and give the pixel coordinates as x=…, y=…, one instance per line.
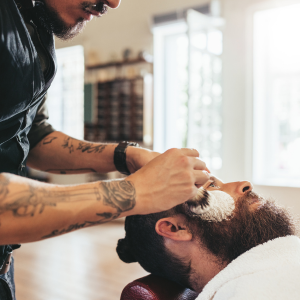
x=120, y=156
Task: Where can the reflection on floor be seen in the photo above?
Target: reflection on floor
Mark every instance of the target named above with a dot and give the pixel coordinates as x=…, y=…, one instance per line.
x=82, y=265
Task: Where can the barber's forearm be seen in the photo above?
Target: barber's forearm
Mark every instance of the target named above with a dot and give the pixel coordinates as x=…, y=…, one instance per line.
x=60, y=154
x=32, y=211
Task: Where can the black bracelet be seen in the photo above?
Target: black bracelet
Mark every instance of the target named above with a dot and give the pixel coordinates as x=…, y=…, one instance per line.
x=120, y=157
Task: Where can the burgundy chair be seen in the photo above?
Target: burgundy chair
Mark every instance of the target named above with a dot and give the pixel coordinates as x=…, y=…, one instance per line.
x=156, y=288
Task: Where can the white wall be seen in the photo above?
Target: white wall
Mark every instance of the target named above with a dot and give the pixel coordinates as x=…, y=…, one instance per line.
x=129, y=26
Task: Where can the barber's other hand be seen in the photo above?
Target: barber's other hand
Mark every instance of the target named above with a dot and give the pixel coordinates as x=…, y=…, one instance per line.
x=168, y=180
x=137, y=157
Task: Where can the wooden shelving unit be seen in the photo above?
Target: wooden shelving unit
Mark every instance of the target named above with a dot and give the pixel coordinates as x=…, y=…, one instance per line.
x=118, y=64
x=120, y=106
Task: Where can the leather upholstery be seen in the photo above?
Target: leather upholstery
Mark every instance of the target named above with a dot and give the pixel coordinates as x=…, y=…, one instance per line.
x=156, y=288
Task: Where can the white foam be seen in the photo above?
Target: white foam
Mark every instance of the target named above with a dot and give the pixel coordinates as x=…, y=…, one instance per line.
x=220, y=208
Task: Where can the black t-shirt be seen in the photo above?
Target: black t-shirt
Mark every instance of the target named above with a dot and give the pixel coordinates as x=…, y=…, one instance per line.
x=25, y=75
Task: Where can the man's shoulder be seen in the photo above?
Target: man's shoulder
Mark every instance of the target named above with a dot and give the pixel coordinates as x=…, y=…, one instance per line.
x=279, y=282
x=259, y=271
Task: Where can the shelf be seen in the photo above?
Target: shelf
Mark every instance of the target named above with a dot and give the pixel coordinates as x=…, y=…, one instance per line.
x=118, y=64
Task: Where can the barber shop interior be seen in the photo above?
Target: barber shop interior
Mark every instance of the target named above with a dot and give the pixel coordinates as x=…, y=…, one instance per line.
x=149, y=150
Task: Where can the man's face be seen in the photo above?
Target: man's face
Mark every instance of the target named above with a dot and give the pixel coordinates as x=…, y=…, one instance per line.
x=66, y=18
x=255, y=220
x=237, y=190
x=160, y=242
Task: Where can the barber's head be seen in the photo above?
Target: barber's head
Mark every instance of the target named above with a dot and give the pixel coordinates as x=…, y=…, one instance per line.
x=66, y=18
x=191, y=249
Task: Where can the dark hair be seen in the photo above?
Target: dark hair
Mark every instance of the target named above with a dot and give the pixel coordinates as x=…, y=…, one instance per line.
x=142, y=241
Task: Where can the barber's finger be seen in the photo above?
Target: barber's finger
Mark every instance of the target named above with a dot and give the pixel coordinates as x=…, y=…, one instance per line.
x=206, y=169
x=205, y=185
x=201, y=177
x=189, y=152
x=199, y=164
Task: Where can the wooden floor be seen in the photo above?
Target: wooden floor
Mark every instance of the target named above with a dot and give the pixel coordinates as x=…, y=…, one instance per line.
x=82, y=265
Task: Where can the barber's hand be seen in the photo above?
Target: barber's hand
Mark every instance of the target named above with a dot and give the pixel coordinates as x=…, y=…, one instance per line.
x=168, y=180
x=137, y=157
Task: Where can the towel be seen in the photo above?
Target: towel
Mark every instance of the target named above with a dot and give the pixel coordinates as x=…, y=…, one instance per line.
x=270, y=271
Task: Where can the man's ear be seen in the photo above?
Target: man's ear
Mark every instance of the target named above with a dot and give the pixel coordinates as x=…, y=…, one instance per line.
x=173, y=228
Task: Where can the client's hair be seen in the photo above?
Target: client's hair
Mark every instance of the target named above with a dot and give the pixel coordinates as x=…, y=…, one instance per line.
x=226, y=240
x=142, y=244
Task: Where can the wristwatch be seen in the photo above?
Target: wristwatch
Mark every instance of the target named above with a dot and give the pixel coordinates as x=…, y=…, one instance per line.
x=120, y=156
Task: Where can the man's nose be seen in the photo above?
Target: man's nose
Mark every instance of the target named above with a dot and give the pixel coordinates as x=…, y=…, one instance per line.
x=244, y=187
x=113, y=3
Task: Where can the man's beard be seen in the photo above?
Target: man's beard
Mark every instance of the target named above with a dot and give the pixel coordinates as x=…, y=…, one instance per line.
x=248, y=228
x=50, y=19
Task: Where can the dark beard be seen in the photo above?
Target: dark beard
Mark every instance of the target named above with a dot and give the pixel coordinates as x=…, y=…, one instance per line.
x=50, y=19
x=247, y=229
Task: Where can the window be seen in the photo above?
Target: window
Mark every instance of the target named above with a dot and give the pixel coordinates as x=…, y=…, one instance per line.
x=188, y=86
x=66, y=94
x=204, y=131
x=276, y=96
x=170, y=85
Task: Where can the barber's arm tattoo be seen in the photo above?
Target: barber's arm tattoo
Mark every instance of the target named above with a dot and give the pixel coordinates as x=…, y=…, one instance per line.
x=118, y=194
x=90, y=148
x=83, y=146
x=32, y=200
x=49, y=140
x=105, y=217
x=68, y=144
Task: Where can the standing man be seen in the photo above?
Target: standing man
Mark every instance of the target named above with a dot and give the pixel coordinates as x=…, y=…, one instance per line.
x=32, y=211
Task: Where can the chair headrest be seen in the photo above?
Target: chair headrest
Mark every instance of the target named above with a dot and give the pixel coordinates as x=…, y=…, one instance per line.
x=152, y=287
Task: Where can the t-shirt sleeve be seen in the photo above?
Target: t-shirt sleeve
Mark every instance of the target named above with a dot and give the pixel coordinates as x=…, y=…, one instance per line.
x=40, y=127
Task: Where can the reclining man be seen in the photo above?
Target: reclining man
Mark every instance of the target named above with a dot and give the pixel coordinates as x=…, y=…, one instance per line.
x=239, y=246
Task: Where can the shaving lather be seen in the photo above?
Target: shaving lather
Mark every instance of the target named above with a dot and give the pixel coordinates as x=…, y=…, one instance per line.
x=212, y=206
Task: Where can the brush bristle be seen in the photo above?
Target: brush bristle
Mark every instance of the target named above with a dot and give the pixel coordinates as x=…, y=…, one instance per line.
x=201, y=199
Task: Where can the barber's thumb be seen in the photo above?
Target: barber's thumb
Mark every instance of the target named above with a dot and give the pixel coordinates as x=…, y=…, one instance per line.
x=201, y=177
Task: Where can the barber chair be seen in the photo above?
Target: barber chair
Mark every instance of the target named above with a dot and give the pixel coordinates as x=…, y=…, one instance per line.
x=156, y=288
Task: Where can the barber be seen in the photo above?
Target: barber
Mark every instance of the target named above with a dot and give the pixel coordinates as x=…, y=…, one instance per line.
x=32, y=211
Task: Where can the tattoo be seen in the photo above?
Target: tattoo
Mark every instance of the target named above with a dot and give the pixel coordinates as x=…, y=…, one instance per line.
x=68, y=143
x=83, y=146
x=34, y=200
x=90, y=148
x=49, y=140
x=105, y=217
x=31, y=200
x=71, y=171
x=119, y=194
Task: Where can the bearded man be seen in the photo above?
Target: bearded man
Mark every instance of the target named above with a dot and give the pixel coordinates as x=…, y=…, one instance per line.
x=32, y=211
x=240, y=246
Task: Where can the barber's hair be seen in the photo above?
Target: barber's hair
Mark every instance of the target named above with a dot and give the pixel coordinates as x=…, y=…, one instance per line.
x=142, y=244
